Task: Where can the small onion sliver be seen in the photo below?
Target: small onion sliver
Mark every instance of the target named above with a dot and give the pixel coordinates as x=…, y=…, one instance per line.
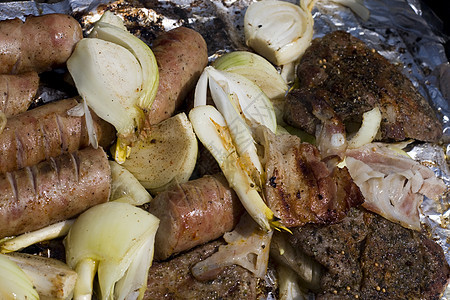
x=368, y=130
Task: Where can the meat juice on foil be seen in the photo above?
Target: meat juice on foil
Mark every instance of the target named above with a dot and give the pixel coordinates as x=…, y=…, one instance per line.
x=404, y=31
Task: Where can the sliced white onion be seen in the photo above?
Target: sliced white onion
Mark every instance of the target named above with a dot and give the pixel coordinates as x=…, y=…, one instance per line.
x=369, y=128
x=247, y=246
x=19, y=242
x=51, y=278
x=256, y=68
x=242, y=104
x=201, y=90
x=111, y=239
x=110, y=28
x=14, y=283
x=125, y=187
x=92, y=133
x=97, y=69
x=117, y=75
x=289, y=288
x=278, y=30
x=211, y=129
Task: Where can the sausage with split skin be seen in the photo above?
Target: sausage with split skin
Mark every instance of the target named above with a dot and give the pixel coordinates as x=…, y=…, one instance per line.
x=47, y=131
x=194, y=213
x=53, y=190
x=39, y=44
x=181, y=54
x=17, y=92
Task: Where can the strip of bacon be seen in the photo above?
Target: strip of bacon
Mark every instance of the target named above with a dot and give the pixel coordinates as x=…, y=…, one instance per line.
x=393, y=184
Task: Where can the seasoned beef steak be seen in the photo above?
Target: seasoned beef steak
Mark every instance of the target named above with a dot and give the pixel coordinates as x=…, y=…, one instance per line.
x=369, y=257
x=173, y=279
x=353, y=79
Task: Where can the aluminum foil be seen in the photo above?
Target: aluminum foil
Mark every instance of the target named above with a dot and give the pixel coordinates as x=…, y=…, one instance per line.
x=404, y=31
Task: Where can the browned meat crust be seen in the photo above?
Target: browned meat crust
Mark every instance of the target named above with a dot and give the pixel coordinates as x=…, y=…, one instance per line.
x=369, y=257
x=352, y=79
x=54, y=190
x=194, y=213
x=173, y=279
x=300, y=188
x=17, y=92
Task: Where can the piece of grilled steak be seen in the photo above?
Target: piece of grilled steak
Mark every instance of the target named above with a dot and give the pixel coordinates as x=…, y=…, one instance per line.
x=352, y=78
x=369, y=257
x=301, y=188
x=173, y=279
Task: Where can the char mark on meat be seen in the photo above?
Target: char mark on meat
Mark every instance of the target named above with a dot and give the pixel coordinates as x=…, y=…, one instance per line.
x=369, y=257
x=300, y=187
x=353, y=79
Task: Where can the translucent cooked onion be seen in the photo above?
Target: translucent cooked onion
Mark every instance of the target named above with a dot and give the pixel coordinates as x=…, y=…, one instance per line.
x=243, y=105
x=110, y=28
x=278, y=30
x=117, y=75
x=211, y=129
x=289, y=288
x=24, y=240
x=115, y=240
x=369, y=128
x=97, y=69
x=256, y=68
x=14, y=283
x=247, y=246
x=125, y=187
x=51, y=278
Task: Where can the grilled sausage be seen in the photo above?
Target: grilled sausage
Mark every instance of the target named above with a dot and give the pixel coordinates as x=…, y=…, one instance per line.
x=17, y=92
x=38, y=44
x=44, y=132
x=182, y=55
x=54, y=190
x=194, y=213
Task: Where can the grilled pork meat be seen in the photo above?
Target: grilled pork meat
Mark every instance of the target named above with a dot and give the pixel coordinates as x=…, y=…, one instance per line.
x=352, y=78
x=173, y=279
x=369, y=257
x=300, y=187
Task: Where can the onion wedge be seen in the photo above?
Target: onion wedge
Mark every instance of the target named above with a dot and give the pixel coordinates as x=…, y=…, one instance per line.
x=247, y=246
x=212, y=130
x=278, y=30
x=116, y=239
x=257, y=69
x=243, y=105
x=14, y=283
x=117, y=75
x=24, y=240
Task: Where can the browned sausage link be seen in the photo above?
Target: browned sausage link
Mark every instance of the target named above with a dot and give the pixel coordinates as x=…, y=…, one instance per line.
x=182, y=55
x=38, y=44
x=17, y=92
x=194, y=213
x=47, y=131
x=54, y=190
